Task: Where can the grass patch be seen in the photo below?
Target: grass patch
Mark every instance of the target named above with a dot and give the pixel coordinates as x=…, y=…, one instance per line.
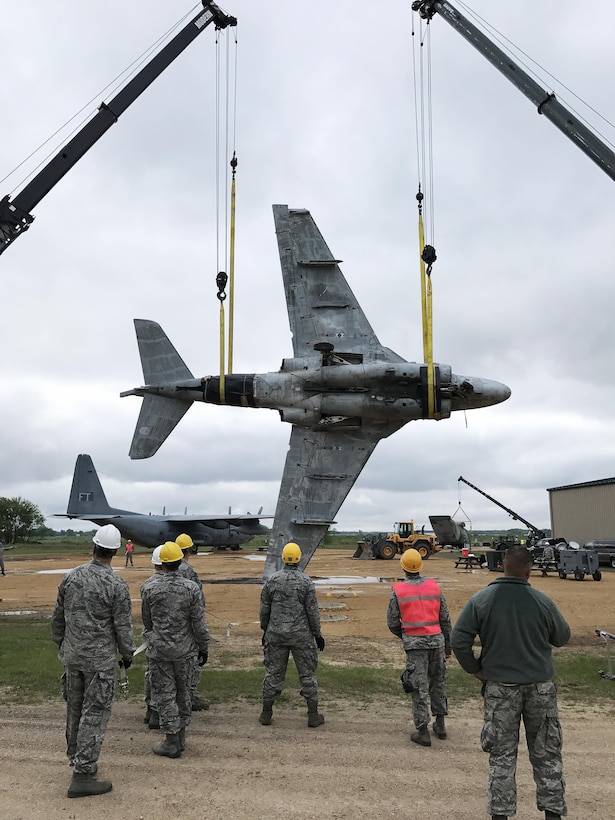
x=30, y=672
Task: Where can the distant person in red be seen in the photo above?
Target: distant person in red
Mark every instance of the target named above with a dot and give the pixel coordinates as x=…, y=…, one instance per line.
x=129, y=552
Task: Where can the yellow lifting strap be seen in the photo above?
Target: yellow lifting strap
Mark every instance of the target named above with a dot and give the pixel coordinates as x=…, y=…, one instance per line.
x=231, y=288
x=427, y=257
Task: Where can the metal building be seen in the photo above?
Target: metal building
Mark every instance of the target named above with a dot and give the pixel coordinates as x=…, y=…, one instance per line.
x=580, y=512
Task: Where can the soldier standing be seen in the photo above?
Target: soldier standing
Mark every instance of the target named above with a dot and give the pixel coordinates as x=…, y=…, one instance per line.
x=418, y=614
x=290, y=622
x=174, y=617
x=517, y=626
x=186, y=545
x=151, y=713
x=91, y=622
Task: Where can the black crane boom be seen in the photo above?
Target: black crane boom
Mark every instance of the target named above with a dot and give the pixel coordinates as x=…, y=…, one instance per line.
x=515, y=516
x=15, y=215
x=546, y=102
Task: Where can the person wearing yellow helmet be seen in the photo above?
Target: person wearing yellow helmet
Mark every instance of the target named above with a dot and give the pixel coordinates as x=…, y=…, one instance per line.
x=186, y=544
x=290, y=622
x=174, y=617
x=418, y=614
x=151, y=718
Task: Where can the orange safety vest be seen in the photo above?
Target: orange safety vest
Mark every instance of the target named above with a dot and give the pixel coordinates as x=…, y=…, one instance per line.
x=419, y=605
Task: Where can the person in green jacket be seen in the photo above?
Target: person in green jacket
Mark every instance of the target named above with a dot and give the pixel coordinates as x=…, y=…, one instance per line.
x=517, y=626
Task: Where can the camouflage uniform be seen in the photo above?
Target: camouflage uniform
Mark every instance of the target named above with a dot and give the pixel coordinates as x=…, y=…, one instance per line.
x=187, y=571
x=517, y=626
x=425, y=659
x=91, y=622
x=174, y=617
x=290, y=620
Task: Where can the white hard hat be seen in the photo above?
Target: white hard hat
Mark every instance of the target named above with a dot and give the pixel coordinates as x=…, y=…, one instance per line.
x=156, y=556
x=108, y=537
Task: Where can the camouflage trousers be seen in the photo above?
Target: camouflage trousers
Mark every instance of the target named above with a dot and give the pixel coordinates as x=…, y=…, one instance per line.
x=170, y=692
x=427, y=668
x=88, y=696
x=276, y=661
x=505, y=705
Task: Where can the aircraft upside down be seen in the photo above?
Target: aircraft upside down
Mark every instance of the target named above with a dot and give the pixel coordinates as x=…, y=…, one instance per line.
x=342, y=391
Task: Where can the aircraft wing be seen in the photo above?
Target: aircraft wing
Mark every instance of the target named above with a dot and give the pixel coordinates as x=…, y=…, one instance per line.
x=321, y=305
x=319, y=472
x=206, y=519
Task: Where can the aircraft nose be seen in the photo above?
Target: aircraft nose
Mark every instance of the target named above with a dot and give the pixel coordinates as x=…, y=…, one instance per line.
x=471, y=392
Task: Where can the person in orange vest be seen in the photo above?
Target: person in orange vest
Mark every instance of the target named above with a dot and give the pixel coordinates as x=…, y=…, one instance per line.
x=418, y=614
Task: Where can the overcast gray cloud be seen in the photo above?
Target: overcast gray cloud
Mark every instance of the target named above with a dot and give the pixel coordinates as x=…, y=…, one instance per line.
x=523, y=284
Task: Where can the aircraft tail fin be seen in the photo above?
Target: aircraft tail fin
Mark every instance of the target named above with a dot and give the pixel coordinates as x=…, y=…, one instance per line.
x=86, y=493
x=160, y=361
x=158, y=418
x=162, y=365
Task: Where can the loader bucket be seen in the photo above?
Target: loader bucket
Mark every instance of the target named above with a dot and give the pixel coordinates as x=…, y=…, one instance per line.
x=364, y=550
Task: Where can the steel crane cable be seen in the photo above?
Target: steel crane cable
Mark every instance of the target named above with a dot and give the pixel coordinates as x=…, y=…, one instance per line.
x=226, y=112
x=424, y=150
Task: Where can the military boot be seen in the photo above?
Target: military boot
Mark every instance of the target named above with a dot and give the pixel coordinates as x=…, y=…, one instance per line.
x=198, y=704
x=552, y=815
x=154, y=720
x=499, y=817
x=314, y=717
x=169, y=747
x=421, y=736
x=439, y=729
x=182, y=739
x=84, y=784
x=266, y=715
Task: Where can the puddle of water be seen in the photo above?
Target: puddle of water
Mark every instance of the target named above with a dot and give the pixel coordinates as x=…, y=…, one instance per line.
x=334, y=617
x=331, y=606
x=19, y=612
x=339, y=580
x=255, y=557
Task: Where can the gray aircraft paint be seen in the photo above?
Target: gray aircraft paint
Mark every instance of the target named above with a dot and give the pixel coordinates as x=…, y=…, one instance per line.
x=342, y=391
x=88, y=502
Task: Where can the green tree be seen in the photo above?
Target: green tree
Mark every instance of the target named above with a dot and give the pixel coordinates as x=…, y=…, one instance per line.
x=19, y=518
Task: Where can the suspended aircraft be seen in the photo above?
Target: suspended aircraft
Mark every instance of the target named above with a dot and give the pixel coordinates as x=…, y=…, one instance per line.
x=88, y=502
x=342, y=391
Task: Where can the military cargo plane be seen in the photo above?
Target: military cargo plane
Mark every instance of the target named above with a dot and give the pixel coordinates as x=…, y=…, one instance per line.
x=342, y=391
x=88, y=502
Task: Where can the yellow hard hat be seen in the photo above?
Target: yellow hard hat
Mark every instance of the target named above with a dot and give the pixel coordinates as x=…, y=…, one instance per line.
x=170, y=552
x=411, y=561
x=184, y=541
x=291, y=554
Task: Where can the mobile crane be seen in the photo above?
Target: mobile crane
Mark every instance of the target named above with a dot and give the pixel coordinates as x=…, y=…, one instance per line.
x=546, y=101
x=15, y=214
x=535, y=533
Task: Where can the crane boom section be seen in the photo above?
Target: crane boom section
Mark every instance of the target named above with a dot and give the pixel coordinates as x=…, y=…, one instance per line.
x=15, y=216
x=515, y=516
x=545, y=101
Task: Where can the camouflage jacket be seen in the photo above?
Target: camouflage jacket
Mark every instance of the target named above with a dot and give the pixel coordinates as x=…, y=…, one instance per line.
x=289, y=609
x=420, y=641
x=173, y=617
x=187, y=571
x=91, y=621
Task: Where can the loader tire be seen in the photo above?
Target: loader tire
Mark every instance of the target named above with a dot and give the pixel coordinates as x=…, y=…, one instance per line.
x=388, y=550
x=423, y=548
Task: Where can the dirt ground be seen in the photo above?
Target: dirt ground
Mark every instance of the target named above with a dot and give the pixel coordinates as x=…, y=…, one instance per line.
x=359, y=764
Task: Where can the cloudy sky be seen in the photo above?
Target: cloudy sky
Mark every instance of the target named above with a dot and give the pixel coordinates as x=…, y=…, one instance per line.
x=524, y=290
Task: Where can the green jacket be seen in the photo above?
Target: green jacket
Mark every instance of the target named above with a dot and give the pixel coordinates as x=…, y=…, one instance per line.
x=517, y=626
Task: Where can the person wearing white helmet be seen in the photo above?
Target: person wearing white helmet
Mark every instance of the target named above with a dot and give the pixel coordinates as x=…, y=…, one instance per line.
x=418, y=614
x=91, y=623
x=290, y=622
x=151, y=718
